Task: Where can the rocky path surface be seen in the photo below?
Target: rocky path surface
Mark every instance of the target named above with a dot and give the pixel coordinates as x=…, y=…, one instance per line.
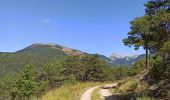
x=104, y=94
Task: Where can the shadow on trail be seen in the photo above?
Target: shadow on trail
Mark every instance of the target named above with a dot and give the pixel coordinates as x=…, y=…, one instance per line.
x=120, y=97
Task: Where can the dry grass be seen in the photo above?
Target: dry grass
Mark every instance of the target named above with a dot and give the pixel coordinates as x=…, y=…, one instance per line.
x=145, y=98
x=95, y=94
x=72, y=92
x=129, y=86
x=126, y=86
x=168, y=93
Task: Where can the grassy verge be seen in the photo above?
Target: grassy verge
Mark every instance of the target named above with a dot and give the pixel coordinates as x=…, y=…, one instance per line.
x=71, y=92
x=95, y=94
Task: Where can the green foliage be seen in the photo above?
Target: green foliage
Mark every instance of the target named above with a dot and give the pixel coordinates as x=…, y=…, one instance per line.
x=52, y=73
x=121, y=72
x=7, y=88
x=26, y=84
x=36, y=55
x=55, y=73
x=86, y=68
x=139, y=34
x=133, y=86
x=161, y=66
x=152, y=32
x=153, y=6
x=160, y=29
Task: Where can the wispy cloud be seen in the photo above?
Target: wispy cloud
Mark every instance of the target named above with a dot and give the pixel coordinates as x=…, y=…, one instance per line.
x=46, y=20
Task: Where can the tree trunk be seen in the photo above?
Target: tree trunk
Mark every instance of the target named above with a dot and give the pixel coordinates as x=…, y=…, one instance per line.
x=147, y=58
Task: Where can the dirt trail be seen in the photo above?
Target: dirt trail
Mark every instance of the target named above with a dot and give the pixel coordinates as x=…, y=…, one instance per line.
x=104, y=93
x=88, y=93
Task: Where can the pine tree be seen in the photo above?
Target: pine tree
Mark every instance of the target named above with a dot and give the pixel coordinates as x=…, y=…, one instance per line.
x=153, y=6
x=139, y=35
x=26, y=85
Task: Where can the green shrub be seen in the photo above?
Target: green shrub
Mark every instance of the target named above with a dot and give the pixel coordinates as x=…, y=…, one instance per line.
x=133, y=86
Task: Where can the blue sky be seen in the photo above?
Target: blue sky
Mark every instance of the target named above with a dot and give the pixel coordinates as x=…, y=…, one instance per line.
x=93, y=26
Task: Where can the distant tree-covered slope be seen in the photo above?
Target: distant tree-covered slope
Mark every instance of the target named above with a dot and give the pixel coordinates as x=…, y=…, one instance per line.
x=36, y=54
x=39, y=54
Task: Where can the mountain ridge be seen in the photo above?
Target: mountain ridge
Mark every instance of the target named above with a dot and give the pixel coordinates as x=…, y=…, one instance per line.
x=52, y=49
x=39, y=54
x=125, y=60
x=69, y=51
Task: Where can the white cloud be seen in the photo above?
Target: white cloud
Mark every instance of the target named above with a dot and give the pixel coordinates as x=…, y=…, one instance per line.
x=47, y=20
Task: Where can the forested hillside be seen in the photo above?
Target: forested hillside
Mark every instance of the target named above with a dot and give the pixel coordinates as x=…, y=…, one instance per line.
x=35, y=54
x=42, y=67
